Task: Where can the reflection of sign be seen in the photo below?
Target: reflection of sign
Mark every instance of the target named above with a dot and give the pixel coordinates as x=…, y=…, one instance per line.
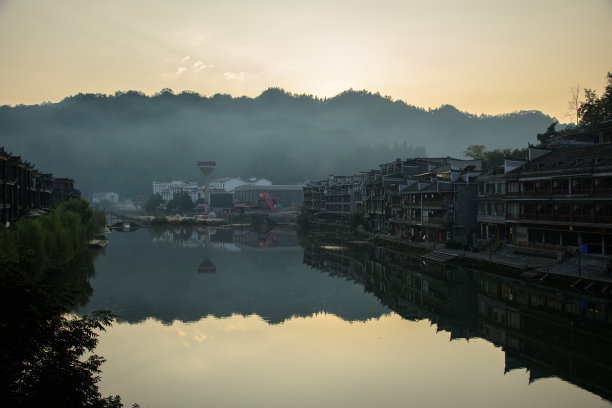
x=207, y=163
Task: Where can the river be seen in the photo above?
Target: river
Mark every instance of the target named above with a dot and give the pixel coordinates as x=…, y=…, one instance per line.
x=229, y=318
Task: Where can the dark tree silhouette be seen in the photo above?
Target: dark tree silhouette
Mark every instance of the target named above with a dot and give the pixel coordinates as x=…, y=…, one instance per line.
x=595, y=110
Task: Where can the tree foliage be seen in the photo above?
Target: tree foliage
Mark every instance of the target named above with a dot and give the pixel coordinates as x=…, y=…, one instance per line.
x=545, y=137
x=47, y=357
x=595, y=110
x=493, y=158
x=276, y=135
x=302, y=221
x=355, y=220
x=153, y=203
x=180, y=202
x=35, y=244
x=475, y=152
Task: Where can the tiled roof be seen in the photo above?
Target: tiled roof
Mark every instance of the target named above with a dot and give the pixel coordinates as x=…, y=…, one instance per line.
x=569, y=160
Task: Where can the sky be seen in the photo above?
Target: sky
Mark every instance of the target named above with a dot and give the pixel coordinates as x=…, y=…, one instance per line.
x=482, y=56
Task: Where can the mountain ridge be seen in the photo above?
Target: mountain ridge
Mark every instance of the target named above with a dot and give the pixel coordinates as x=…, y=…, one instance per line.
x=123, y=142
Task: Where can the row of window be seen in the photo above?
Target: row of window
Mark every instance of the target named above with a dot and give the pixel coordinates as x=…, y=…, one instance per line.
x=575, y=185
x=546, y=209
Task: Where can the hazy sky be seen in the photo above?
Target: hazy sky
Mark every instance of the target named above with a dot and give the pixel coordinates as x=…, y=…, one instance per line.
x=483, y=56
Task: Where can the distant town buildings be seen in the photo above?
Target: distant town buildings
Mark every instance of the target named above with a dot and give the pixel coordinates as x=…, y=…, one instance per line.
x=559, y=199
x=431, y=198
x=98, y=198
x=269, y=197
x=168, y=190
x=230, y=183
x=227, y=191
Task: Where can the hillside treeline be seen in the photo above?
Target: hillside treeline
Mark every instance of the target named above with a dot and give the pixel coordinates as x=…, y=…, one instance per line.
x=124, y=141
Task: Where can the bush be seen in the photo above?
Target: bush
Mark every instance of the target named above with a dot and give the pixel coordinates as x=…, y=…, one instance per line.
x=35, y=244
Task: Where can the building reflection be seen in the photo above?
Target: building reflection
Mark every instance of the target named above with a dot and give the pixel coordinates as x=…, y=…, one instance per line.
x=548, y=330
x=227, y=239
x=546, y=327
x=207, y=266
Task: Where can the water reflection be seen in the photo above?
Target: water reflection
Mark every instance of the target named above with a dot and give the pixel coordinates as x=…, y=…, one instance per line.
x=333, y=324
x=155, y=274
x=547, y=328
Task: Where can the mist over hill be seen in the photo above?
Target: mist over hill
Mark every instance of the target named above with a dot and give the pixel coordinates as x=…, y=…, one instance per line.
x=123, y=142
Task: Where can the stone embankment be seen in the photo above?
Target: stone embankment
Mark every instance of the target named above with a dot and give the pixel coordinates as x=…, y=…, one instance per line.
x=585, y=267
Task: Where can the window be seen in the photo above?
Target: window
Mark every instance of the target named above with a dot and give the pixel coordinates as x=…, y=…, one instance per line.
x=583, y=209
x=527, y=187
x=581, y=185
x=513, y=187
x=561, y=186
x=514, y=210
x=543, y=186
x=529, y=210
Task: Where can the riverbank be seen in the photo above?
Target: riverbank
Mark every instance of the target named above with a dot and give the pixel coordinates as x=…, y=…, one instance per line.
x=510, y=258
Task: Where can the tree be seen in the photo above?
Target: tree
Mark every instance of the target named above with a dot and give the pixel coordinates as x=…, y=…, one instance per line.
x=47, y=355
x=574, y=103
x=475, y=152
x=302, y=222
x=545, y=137
x=153, y=203
x=595, y=110
x=355, y=220
x=181, y=202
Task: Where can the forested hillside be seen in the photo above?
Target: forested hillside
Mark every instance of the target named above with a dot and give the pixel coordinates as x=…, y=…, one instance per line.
x=122, y=142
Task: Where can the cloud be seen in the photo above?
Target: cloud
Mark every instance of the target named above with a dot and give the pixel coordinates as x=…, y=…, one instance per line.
x=185, y=59
x=199, y=65
x=180, y=70
x=233, y=75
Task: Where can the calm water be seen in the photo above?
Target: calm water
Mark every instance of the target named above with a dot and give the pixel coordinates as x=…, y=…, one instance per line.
x=224, y=318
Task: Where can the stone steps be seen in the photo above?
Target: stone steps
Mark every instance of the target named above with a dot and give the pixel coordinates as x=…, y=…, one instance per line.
x=439, y=256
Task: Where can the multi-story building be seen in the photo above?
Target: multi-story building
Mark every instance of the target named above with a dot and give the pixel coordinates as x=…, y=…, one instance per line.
x=167, y=190
x=491, y=201
x=229, y=184
x=432, y=198
x=374, y=202
x=332, y=200
x=23, y=188
x=219, y=187
x=562, y=200
x=438, y=204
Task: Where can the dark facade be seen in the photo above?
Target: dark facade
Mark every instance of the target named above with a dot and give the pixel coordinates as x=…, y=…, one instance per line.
x=23, y=188
x=332, y=200
x=63, y=189
x=221, y=200
x=549, y=331
x=559, y=201
x=432, y=198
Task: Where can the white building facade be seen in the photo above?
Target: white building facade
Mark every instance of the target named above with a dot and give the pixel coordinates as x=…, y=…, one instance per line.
x=97, y=198
x=168, y=190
